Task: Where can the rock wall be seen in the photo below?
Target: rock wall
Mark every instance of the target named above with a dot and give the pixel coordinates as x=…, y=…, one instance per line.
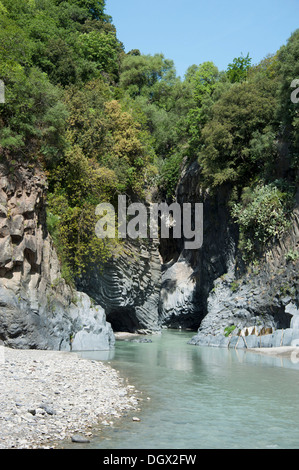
x=188, y=275
x=266, y=296
x=37, y=308
x=196, y=289
x=129, y=287
x=205, y=290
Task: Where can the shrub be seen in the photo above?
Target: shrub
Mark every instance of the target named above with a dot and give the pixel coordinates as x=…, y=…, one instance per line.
x=228, y=330
x=263, y=215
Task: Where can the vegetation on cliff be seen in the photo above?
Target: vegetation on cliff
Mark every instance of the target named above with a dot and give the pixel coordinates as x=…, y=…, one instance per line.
x=103, y=122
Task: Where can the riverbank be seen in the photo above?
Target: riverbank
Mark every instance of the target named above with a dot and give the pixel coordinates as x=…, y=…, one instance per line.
x=50, y=396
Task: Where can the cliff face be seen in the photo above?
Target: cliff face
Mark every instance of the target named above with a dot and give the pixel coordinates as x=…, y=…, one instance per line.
x=37, y=308
x=203, y=288
x=266, y=297
x=196, y=288
x=188, y=275
x=129, y=287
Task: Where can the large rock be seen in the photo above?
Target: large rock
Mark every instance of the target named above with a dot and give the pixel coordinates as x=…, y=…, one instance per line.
x=38, y=310
x=177, y=297
x=267, y=295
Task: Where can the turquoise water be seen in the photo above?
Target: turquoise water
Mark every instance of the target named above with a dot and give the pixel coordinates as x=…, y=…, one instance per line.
x=203, y=398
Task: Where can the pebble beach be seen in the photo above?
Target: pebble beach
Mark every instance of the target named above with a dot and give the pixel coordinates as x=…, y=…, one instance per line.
x=47, y=397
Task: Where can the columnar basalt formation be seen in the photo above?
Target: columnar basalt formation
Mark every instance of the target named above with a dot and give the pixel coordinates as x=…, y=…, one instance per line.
x=129, y=287
x=37, y=308
x=188, y=275
x=266, y=297
x=208, y=290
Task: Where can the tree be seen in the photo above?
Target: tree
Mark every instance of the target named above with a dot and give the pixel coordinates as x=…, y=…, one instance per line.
x=102, y=49
x=238, y=69
x=288, y=70
x=140, y=74
x=203, y=80
x=229, y=137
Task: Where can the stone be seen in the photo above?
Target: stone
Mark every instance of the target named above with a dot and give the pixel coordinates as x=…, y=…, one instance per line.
x=80, y=439
x=141, y=340
x=292, y=309
x=48, y=409
x=17, y=226
x=266, y=341
x=89, y=391
x=277, y=338
x=251, y=341
x=5, y=250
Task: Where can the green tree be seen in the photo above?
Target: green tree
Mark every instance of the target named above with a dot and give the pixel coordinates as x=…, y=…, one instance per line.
x=102, y=49
x=146, y=74
x=288, y=70
x=203, y=80
x=237, y=71
x=262, y=216
x=241, y=118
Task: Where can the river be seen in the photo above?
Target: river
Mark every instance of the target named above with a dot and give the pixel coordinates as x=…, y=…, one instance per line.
x=203, y=398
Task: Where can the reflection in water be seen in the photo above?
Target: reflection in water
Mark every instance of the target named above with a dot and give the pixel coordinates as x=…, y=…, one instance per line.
x=204, y=397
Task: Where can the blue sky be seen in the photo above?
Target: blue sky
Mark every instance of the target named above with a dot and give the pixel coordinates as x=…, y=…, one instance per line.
x=194, y=31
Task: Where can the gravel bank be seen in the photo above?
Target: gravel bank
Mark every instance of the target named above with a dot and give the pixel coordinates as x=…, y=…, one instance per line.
x=49, y=396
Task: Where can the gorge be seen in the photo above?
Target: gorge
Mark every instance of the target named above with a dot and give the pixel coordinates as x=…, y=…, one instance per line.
x=147, y=287
x=85, y=123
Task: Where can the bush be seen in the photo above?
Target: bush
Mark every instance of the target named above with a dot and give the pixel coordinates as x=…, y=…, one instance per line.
x=263, y=215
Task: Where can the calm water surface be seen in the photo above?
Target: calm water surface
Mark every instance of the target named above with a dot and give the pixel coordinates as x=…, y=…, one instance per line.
x=203, y=398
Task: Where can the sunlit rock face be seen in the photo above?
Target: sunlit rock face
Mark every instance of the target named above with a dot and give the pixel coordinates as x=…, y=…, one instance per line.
x=37, y=308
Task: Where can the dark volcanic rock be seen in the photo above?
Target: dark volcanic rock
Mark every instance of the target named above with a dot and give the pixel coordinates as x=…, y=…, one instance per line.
x=267, y=296
x=188, y=275
x=129, y=287
x=38, y=310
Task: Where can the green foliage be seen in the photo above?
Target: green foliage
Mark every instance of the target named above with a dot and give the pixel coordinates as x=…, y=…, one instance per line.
x=103, y=122
x=263, y=215
x=33, y=118
x=161, y=101
x=288, y=70
x=203, y=80
x=169, y=173
x=292, y=255
x=102, y=49
x=147, y=75
x=229, y=330
x=206, y=86
x=234, y=139
x=74, y=236
x=238, y=70
x=234, y=286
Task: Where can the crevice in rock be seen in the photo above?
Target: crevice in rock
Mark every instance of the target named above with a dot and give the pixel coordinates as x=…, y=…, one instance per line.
x=123, y=319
